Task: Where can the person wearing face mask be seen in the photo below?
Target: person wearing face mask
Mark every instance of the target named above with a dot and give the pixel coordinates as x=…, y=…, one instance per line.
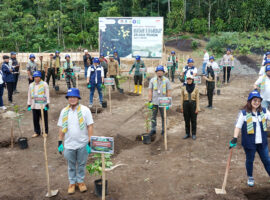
x=189, y=106
x=189, y=70
x=252, y=124
x=159, y=86
x=263, y=83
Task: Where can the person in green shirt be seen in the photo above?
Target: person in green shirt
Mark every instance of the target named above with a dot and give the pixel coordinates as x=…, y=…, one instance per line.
x=68, y=73
x=138, y=76
x=174, y=66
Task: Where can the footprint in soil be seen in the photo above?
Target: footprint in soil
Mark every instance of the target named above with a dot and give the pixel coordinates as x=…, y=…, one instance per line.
x=257, y=193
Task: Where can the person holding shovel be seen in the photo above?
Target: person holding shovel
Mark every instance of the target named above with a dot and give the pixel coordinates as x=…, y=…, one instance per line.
x=38, y=88
x=95, y=79
x=189, y=70
x=252, y=124
x=174, y=67
x=189, y=106
x=75, y=128
x=263, y=83
x=69, y=74
x=159, y=86
x=114, y=72
x=31, y=68
x=227, y=63
x=138, y=76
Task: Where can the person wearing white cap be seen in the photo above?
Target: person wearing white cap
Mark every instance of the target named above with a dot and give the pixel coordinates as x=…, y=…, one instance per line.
x=85, y=58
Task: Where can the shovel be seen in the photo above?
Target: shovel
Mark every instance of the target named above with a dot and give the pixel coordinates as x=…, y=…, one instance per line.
x=222, y=190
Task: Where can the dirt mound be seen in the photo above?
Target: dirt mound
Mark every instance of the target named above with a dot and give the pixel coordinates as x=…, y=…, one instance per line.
x=122, y=143
x=182, y=45
x=244, y=60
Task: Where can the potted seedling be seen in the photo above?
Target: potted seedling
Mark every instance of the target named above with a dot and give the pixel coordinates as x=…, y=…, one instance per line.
x=146, y=138
x=22, y=141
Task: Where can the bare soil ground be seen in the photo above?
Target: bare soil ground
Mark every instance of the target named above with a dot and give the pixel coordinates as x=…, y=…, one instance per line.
x=189, y=170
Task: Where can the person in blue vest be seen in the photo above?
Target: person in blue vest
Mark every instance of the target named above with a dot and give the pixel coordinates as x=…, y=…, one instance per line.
x=8, y=74
x=116, y=56
x=252, y=124
x=189, y=70
x=95, y=79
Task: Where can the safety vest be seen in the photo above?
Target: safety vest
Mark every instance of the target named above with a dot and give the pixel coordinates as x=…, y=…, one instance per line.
x=95, y=74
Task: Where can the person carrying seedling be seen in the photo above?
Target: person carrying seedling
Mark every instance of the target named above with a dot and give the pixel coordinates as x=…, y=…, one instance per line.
x=189, y=70
x=265, y=64
x=227, y=63
x=252, y=124
x=190, y=106
x=263, y=83
x=210, y=80
x=174, y=67
x=159, y=86
x=50, y=70
x=31, y=67
x=138, y=76
x=95, y=79
x=68, y=70
x=38, y=88
x=113, y=72
x=14, y=63
x=75, y=128
x=57, y=59
x=8, y=76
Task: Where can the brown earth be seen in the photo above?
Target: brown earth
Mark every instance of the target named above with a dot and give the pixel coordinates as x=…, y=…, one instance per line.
x=189, y=170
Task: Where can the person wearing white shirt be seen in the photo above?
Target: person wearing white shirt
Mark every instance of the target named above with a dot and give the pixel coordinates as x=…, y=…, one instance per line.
x=263, y=83
x=2, y=85
x=262, y=70
x=75, y=128
x=252, y=124
x=205, y=61
x=265, y=57
x=189, y=70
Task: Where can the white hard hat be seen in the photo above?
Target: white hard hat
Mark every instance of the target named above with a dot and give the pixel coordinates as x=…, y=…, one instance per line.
x=85, y=51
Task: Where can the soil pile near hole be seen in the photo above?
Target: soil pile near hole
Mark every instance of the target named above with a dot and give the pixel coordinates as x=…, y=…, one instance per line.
x=181, y=45
x=257, y=194
x=121, y=143
x=244, y=60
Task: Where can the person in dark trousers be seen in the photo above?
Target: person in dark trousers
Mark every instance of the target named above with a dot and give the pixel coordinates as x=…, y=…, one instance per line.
x=68, y=73
x=114, y=72
x=57, y=59
x=210, y=83
x=38, y=88
x=31, y=67
x=159, y=86
x=138, y=76
x=172, y=58
x=104, y=64
x=15, y=64
x=189, y=105
x=252, y=124
x=86, y=65
x=227, y=63
x=42, y=67
x=8, y=77
x=50, y=70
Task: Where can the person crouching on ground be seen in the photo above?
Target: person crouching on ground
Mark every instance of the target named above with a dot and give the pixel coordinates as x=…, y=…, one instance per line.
x=252, y=123
x=159, y=86
x=189, y=105
x=38, y=88
x=76, y=128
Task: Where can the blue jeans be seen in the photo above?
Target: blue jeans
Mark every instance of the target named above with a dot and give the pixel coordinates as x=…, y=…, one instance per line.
x=85, y=71
x=92, y=92
x=265, y=104
x=1, y=94
x=203, y=68
x=76, y=164
x=264, y=155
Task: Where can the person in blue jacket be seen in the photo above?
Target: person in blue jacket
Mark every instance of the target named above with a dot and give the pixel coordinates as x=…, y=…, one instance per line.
x=8, y=77
x=252, y=123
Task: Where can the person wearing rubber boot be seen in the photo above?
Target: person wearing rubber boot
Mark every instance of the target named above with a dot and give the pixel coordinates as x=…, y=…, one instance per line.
x=114, y=72
x=252, y=124
x=174, y=67
x=189, y=70
x=68, y=73
x=159, y=86
x=38, y=88
x=263, y=83
x=57, y=59
x=15, y=64
x=50, y=70
x=75, y=128
x=31, y=67
x=8, y=76
x=227, y=62
x=138, y=76
x=190, y=106
x=265, y=64
x=95, y=79
x=210, y=82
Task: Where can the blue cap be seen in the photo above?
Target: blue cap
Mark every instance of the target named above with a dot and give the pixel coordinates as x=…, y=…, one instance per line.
x=101, y=54
x=267, y=53
x=267, y=61
x=228, y=49
x=138, y=57
x=32, y=56
x=211, y=58
x=115, y=51
x=73, y=92
x=254, y=94
x=160, y=68
x=190, y=60
x=37, y=74
x=96, y=60
x=267, y=68
x=13, y=53
x=173, y=52
x=57, y=51
x=67, y=55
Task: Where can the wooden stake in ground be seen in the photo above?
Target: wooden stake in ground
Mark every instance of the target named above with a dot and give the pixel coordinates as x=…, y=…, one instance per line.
x=165, y=129
x=129, y=77
x=222, y=190
x=103, y=177
x=11, y=134
x=110, y=99
x=226, y=75
x=50, y=192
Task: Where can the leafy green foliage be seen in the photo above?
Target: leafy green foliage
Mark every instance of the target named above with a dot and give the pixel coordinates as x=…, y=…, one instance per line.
x=96, y=167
